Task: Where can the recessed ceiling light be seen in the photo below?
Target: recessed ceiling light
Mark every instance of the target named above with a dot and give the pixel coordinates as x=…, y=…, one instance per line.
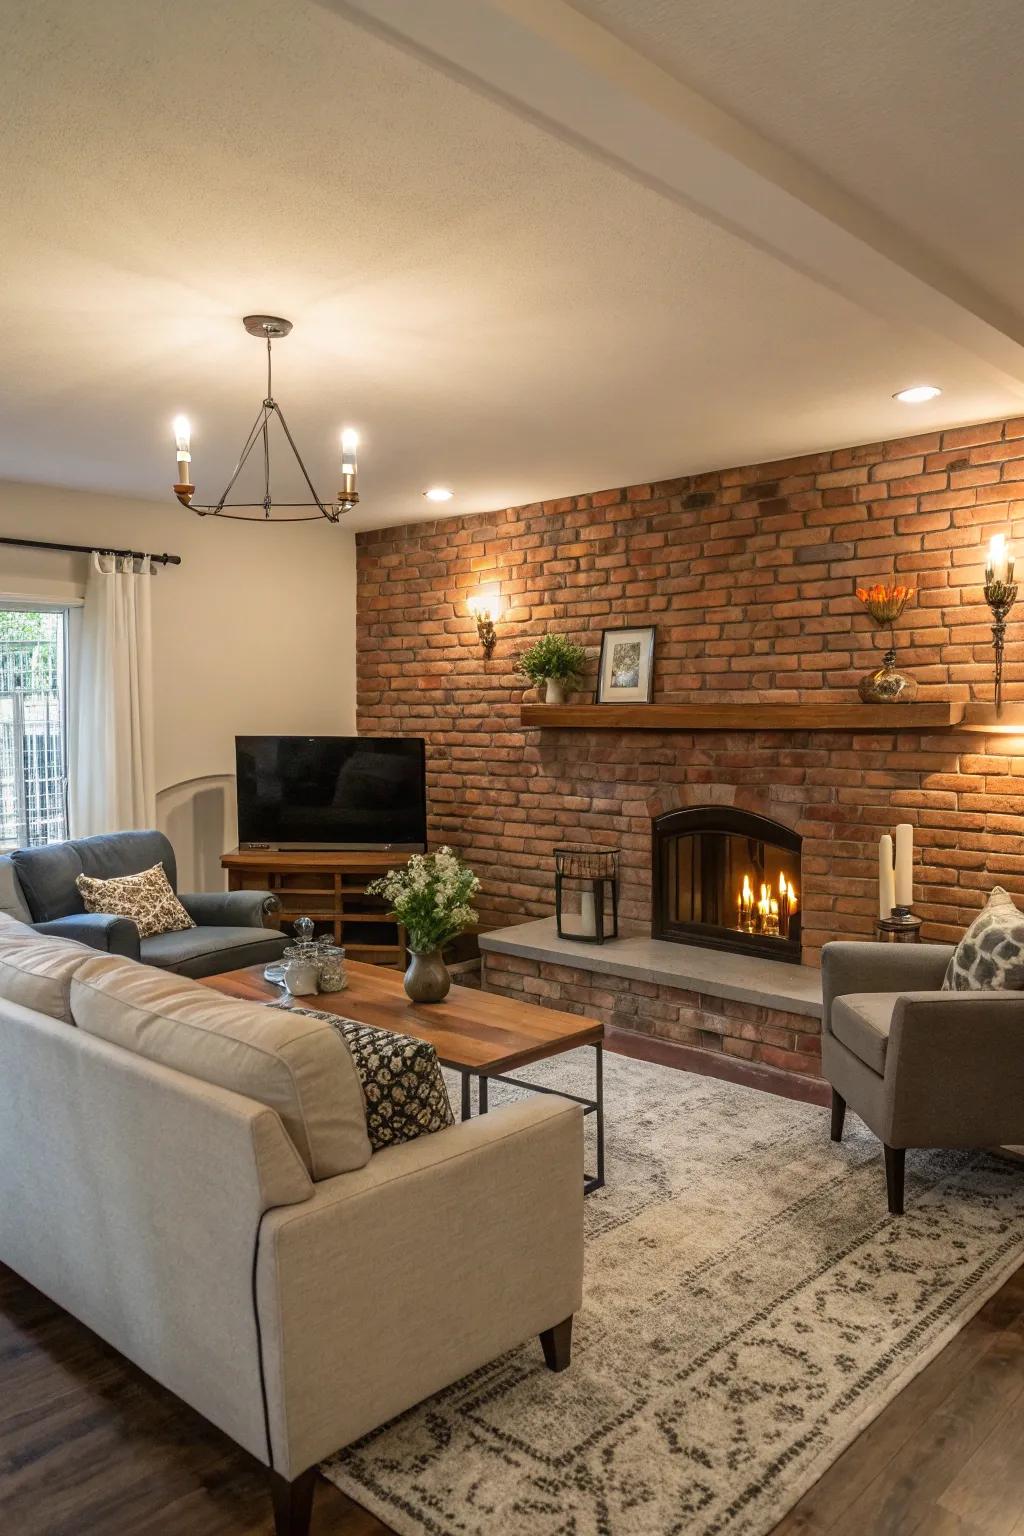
x=439, y=493
x=917, y=394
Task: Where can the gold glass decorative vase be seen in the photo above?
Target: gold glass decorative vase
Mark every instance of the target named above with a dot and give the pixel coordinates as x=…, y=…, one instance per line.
x=886, y=685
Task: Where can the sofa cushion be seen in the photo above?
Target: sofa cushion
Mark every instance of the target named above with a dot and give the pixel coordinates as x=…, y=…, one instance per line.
x=862, y=1020
x=990, y=956
x=47, y=878
x=37, y=971
x=12, y=902
x=13, y=928
x=207, y=951
x=145, y=898
x=126, y=853
x=297, y=1066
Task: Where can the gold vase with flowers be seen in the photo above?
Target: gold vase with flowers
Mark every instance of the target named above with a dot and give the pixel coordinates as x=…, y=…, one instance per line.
x=883, y=603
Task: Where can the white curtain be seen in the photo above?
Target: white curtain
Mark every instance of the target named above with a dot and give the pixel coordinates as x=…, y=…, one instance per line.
x=111, y=769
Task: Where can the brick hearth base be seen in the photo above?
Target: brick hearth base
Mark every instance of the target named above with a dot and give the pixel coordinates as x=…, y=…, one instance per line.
x=789, y=1042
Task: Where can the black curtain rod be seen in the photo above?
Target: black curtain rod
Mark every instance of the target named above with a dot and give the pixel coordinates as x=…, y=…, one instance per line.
x=88, y=549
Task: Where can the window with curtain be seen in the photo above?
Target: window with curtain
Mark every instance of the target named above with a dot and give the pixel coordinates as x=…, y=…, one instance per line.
x=33, y=726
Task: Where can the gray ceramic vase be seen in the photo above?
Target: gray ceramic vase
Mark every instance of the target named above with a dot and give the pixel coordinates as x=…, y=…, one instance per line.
x=427, y=979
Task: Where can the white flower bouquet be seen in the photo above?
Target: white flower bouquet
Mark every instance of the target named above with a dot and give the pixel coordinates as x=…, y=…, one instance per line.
x=430, y=897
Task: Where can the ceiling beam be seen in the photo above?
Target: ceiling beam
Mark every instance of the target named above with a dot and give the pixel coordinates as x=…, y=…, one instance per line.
x=547, y=61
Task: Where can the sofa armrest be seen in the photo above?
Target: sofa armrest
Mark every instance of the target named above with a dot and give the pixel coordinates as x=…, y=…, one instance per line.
x=405, y=1275
x=868, y=967
x=231, y=909
x=100, y=930
x=954, y=1069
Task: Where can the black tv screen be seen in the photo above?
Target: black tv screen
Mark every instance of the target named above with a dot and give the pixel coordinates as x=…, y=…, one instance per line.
x=353, y=792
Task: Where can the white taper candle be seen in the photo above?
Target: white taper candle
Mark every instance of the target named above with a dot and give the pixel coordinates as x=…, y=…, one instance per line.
x=904, y=864
x=886, y=877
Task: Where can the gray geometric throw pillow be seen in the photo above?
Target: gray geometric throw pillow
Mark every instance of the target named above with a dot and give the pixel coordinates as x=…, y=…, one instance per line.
x=991, y=953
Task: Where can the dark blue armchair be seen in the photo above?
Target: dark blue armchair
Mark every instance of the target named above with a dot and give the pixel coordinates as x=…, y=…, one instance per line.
x=37, y=886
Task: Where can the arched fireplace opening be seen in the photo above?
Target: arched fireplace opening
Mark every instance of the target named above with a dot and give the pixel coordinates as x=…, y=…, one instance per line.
x=727, y=879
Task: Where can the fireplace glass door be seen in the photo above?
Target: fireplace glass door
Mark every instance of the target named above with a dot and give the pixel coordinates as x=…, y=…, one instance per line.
x=727, y=879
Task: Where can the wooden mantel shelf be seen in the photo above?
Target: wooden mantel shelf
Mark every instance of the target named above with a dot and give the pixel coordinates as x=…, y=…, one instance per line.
x=933, y=715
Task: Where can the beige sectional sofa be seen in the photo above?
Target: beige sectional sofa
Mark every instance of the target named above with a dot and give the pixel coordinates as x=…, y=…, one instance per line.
x=190, y=1177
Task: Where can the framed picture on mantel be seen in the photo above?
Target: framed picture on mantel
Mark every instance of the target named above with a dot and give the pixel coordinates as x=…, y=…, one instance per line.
x=626, y=672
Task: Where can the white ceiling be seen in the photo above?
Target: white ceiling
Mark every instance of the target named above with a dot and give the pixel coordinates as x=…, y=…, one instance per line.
x=507, y=303
x=913, y=107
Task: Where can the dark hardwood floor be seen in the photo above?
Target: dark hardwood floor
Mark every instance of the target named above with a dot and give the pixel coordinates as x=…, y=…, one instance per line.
x=89, y=1446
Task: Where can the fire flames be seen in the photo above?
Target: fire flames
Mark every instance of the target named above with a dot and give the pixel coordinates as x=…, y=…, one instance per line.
x=772, y=910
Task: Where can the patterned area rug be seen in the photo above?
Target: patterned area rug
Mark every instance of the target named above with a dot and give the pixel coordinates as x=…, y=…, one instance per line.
x=749, y=1308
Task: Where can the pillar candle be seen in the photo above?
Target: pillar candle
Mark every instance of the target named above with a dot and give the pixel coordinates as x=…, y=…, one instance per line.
x=886, y=877
x=588, y=916
x=904, y=864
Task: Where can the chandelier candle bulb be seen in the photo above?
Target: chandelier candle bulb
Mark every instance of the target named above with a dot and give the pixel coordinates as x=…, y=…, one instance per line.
x=349, y=445
x=886, y=877
x=904, y=865
x=182, y=448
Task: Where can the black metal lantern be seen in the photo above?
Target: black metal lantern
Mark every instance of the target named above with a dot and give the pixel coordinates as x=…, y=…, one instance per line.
x=591, y=874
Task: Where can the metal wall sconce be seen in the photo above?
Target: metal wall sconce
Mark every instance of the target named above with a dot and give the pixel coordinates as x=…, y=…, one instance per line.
x=486, y=612
x=1000, y=594
x=592, y=873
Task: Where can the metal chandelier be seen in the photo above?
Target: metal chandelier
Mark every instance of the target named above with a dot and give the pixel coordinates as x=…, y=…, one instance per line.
x=269, y=328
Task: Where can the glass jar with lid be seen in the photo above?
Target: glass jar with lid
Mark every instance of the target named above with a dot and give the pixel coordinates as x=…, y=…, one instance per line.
x=331, y=960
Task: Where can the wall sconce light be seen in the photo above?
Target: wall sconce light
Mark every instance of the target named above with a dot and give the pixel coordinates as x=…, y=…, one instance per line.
x=1000, y=594
x=486, y=611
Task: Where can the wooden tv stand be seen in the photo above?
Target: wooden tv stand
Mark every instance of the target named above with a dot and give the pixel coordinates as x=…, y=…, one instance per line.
x=331, y=889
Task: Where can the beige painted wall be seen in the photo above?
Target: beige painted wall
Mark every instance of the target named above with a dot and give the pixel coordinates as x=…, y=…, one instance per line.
x=253, y=633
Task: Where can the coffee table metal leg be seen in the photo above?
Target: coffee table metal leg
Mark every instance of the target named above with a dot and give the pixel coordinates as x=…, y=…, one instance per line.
x=594, y=1106
x=599, y=1049
x=467, y=1108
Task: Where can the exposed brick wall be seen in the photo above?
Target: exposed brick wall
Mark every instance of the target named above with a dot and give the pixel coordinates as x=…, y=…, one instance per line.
x=750, y=576
x=789, y=1042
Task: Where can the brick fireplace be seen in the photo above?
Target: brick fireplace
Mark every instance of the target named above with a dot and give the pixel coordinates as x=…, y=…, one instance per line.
x=750, y=576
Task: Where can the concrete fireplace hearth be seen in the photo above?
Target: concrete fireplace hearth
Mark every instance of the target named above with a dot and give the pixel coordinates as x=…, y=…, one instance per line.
x=749, y=1008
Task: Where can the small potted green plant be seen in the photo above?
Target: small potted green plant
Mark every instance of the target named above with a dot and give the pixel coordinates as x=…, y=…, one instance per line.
x=555, y=661
x=431, y=898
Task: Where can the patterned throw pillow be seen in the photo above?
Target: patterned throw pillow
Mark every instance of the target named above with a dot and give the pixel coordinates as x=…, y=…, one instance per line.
x=147, y=899
x=401, y=1077
x=991, y=952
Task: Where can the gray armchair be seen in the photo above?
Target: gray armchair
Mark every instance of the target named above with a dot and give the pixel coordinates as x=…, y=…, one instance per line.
x=37, y=885
x=921, y=1067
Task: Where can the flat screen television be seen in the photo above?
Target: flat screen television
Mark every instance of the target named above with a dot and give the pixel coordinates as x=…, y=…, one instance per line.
x=347, y=792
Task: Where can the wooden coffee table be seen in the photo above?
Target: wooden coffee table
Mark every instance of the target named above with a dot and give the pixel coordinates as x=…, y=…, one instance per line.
x=478, y=1034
